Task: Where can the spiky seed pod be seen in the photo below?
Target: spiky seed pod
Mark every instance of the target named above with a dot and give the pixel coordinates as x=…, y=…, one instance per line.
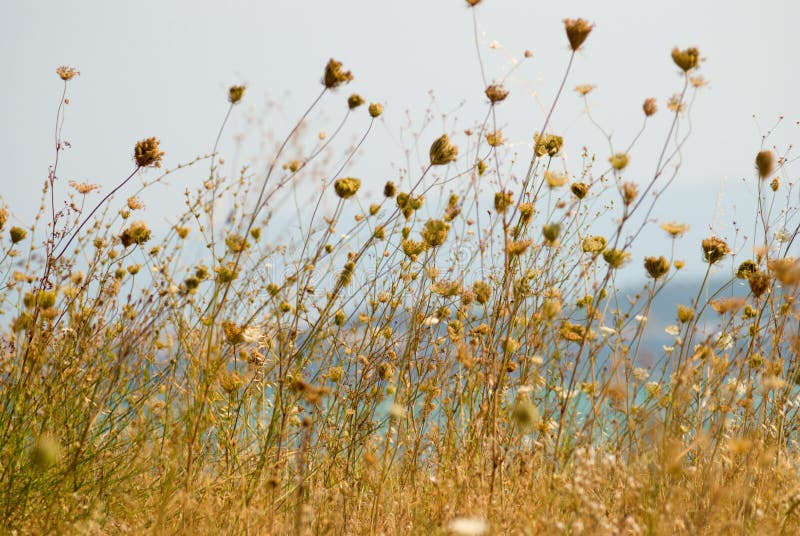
x=759, y=283
x=235, y=94
x=656, y=266
x=579, y=189
x=335, y=75
x=354, y=101
x=375, y=109
x=714, y=249
x=577, y=31
x=765, y=163
x=496, y=93
x=147, y=153
x=347, y=187
x=650, y=107
x=686, y=59
x=442, y=151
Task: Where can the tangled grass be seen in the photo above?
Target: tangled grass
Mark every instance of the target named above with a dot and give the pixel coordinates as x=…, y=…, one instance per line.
x=440, y=361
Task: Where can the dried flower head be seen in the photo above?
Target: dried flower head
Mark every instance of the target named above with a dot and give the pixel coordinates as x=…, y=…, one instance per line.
x=577, y=31
x=615, y=257
x=686, y=59
x=746, y=269
x=235, y=94
x=496, y=93
x=775, y=184
x=482, y=291
x=134, y=203
x=335, y=75
x=17, y=234
x=389, y=189
x=66, y=72
x=347, y=187
x=714, y=249
x=3, y=217
x=555, y=179
x=551, y=232
x=473, y=3
x=137, y=233
x=674, y=229
x=629, y=192
x=685, y=313
x=517, y=248
x=619, y=161
x=494, y=138
x=435, y=232
x=84, y=188
x=765, y=163
x=579, y=189
x=649, y=107
x=759, y=283
x=593, y=244
x=503, y=200
x=584, y=89
x=547, y=144
x=354, y=101
x=375, y=109
x=656, y=266
x=147, y=153
x=442, y=151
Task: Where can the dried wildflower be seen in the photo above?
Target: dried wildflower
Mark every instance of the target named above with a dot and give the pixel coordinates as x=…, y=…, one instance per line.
x=678, y=264
x=727, y=305
x=765, y=163
x=230, y=381
x=746, y=269
x=442, y=151
x=577, y=31
x=335, y=76
x=593, y=244
x=412, y=248
x=84, y=188
x=675, y=104
x=619, y=161
x=551, y=231
x=147, y=153
x=786, y=270
x=629, y=192
x=555, y=179
x=236, y=243
x=453, y=208
x=137, y=233
x=482, y=291
x=496, y=93
x=3, y=217
x=134, y=203
x=435, y=232
x=686, y=59
x=67, y=73
x=17, y=234
x=503, y=200
x=674, y=229
x=526, y=211
x=389, y=189
x=233, y=332
x=547, y=144
x=494, y=138
x=698, y=81
x=235, y=94
x=524, y=413
x=714, y=249
x=649, y=107
x=354, y=101
x=656, y=266
x=226, y=273
x=481, y=167
x=584, y=89
x=518, y=247
x=775, y=184
x=574, y=332
x=615, y=257
x=347, y=187
x=375, y=109
x=759, y=283
x=473, y=3
x=579, y=189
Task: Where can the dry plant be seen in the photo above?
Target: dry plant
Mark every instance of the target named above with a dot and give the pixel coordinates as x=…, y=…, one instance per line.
x=439, y=361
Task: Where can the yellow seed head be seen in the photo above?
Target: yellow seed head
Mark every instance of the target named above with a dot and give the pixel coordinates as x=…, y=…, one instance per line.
x=147, y=153
x=347, y=187
x=442, y=151
x=375, y=109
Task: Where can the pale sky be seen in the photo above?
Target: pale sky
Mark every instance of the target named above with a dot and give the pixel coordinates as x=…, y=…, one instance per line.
x=156, y=68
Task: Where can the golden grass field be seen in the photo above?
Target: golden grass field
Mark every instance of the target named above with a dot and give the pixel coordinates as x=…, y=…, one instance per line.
x=454, y=357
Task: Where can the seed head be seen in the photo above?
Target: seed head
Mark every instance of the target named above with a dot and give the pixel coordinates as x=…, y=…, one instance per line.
x=354, y=101
x=494, y=138
x=235, y=94
x=675, y=229
x=577, y=31
x=435, y=232
x=650, y=107
x=66, y=72
x=503, y=200
x=347, y=187
x=656, y=266
x=746, y=269
x=714, y=249
x=555, y=179
x=482, y=291
x=547, y=144
x=593, y=244
x=579, y=189
x=496, y=93
x=615, y=257
x=3, y=217
x=619, y=161
x=442, y=151
x=147, y=153
x=685, y=313
x=389, y=189
x=17, y=234
x=551, y=231
x=335, y=76
x=759, y=283
x=629, y=192
x=375, y=109
x=686, y=59
x=765, y=163
x=138, y=233
x=584, y=89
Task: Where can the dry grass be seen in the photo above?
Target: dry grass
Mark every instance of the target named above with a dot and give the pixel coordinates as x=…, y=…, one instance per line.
x=441, y=361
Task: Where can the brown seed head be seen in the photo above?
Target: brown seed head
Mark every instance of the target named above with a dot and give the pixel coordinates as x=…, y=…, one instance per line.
x=656, y=266
x=759, y=283
x=375, y=109
x=650, y=107
x=714, y=249
x=147, y=153
x=442, y=151
x=547, y=144
x=577, y=31
x=235, y=94
x=347, y=187
x=17, y=234
x=496, y=93
x=503, y=200
x=765, y=163
x=335, y=75
x=66, y=72
x=686, y=59
x=354, y=101
x=629, y=192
